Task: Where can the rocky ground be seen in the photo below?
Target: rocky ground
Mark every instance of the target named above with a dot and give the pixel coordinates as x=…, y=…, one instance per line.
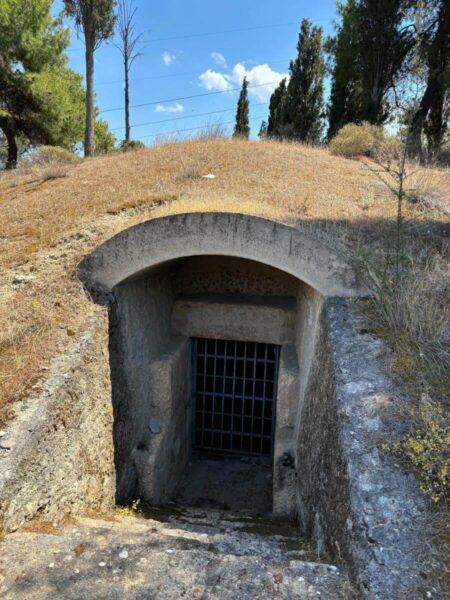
x=190, y=553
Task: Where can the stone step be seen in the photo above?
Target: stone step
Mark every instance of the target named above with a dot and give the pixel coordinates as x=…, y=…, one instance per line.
x=192, y=554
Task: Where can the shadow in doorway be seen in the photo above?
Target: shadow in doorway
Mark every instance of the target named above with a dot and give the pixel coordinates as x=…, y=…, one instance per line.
x=240, y=484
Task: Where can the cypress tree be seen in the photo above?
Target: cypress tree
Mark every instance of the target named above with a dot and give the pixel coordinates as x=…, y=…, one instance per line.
x=303, y=118
x=263, y=131
x=296, y=108
x=276, y=111
x=242, y=127
x=345, y=97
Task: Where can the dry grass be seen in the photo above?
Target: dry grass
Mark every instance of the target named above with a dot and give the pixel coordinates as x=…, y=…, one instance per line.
x=44, y=527
x=47, y=226
x=53, y=172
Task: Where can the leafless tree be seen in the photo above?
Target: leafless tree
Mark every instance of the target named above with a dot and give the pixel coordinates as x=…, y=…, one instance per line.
x=129, y=45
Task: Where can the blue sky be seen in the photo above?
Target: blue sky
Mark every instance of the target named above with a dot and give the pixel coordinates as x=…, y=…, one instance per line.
x=192, y=47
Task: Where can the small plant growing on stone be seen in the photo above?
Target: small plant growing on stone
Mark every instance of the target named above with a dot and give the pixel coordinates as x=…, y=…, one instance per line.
x=426, y=451
x=131, y=510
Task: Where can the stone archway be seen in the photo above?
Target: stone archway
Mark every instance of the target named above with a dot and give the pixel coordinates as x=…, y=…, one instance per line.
x=160, y=240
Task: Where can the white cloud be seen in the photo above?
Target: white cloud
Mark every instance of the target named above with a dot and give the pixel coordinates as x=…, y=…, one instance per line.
x=262, y=77
x=166, y=108
x=168, y=58
x=219, y=59
x=211, y=80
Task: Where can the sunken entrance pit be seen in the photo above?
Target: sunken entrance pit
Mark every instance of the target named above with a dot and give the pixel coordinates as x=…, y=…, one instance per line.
x=209, y=314
x=242, y=378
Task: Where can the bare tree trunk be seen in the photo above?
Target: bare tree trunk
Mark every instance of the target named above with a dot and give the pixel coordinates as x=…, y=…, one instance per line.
x=438, y=70
x=127, y=96
x=8, y=128
x=400, y=195
x=89, y=131
x=415, y=132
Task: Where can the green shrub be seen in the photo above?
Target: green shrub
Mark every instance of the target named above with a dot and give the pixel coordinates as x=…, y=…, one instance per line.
x=357, y=140
x=131, y=145
x=52, y=155
x=426, y=451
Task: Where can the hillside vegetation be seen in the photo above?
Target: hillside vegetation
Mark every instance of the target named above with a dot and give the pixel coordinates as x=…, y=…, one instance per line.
x=53, y=214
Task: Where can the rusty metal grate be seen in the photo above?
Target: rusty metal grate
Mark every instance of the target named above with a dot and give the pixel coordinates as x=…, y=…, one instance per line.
x=234, y=395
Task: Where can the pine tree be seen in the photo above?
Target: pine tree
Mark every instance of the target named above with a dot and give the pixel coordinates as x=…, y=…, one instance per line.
x=242, y=127
x=42, y=101
x=96, y=19
x=297, y=110
x=345, y=97
x=276, y=111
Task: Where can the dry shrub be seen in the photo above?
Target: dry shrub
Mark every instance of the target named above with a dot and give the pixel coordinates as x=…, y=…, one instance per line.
x=53, y=172
x=131, y=145
x=357, y=140
x=52, y=155
x=190, y=169
x=412, y=313
x=212, y=131
x=429, y=182
x=426, y=450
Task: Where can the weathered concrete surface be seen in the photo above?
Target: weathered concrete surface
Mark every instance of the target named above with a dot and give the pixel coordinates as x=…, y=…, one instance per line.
x=57, y=455
x=164, y=450
x=353, y=498
x=259, y=319
x=160, y=240
x=232, y=276
x=284, y=472
x=139, y=325
x=195, y=555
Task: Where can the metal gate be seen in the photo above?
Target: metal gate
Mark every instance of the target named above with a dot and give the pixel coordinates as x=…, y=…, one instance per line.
x=234, y=396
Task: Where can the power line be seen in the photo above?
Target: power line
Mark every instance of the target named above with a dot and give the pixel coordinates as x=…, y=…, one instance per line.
x=196, y=35
x=170, y=75
x=192, y=128
x=236, y=89
x=209, y=33
x=213, y=112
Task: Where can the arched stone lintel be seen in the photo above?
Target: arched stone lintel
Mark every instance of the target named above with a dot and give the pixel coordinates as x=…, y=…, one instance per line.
x=157, y=241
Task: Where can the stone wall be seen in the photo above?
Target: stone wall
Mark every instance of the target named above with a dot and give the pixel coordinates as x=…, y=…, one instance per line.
x=284, y=473
x=139, y=332
x=356, y=501
x=259, y=319
x=165, y=448
x=56, y=457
